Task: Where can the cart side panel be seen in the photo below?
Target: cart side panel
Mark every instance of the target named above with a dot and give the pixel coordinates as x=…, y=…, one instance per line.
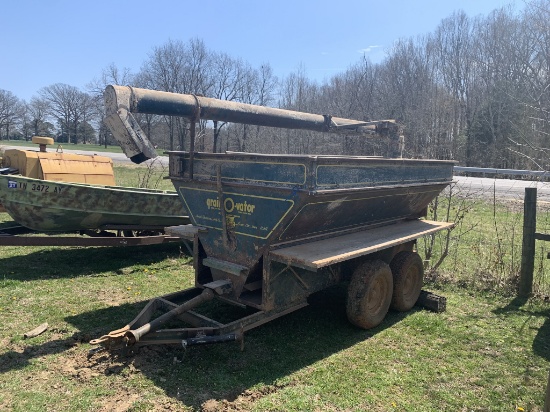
x=328, y=213
x=250, y=220
x=385, y=172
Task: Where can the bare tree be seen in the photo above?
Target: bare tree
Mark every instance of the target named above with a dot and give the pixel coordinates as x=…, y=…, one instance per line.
x=227, y=83
x=10, y=110
x=534, y=137
x=110, y=75
x=85, y=112
x=299, y=93
x=180, y=68
x=69, y=106
x=38, y=113
x=257, y=87
x=457, y=70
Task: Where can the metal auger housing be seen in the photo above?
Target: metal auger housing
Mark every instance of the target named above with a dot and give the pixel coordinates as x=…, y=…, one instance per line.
x=122, y=101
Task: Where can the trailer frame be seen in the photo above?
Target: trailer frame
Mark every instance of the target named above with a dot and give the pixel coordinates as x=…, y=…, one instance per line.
x=312, y=256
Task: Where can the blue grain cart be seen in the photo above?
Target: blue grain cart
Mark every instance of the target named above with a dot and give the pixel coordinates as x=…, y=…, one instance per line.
x=270, y=230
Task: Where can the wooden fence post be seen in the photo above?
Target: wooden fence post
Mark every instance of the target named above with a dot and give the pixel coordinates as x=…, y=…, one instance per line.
x=528, y=247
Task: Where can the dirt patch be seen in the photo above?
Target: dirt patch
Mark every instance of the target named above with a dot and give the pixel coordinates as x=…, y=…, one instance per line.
x=83, y=368
x=243, y=402
x=70, y=361
x=125, y=400
x=120, y=402
x=111, y=298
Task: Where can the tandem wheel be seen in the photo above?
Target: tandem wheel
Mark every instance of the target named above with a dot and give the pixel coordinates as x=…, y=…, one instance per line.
x=369, y=294
x=408, y=274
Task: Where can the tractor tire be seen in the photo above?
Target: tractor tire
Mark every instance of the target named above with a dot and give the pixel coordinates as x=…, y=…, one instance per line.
x=408, y=275
x=369, y=294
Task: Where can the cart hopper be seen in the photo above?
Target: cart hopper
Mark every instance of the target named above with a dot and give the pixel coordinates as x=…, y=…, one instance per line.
x=248, y=204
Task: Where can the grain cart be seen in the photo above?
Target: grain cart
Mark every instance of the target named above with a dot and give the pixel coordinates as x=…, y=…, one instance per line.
x=270, y=230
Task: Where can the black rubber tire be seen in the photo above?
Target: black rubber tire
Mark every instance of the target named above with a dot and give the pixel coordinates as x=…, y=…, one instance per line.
x=369, y=294
x=408, y=275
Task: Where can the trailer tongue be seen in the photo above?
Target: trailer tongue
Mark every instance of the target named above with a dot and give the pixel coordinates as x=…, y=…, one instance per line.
x=270, y=230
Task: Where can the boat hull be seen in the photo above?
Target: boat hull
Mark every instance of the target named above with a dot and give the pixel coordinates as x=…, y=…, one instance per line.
x=49, y=206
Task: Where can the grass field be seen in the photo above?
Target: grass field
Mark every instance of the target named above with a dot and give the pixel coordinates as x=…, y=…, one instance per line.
x=486, y=244
x=488, y=352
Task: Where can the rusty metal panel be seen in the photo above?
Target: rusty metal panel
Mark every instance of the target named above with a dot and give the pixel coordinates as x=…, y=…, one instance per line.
x=282, y=199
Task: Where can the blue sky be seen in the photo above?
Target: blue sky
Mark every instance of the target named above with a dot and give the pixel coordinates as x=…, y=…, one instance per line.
x=44, y=42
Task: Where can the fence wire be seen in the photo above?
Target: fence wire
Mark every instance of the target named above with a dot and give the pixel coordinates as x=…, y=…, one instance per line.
x=484, y=249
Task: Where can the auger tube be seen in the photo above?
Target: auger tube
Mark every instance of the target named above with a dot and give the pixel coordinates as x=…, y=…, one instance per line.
x=122, y=101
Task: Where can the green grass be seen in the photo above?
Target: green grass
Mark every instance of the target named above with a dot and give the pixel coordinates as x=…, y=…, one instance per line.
x=484, y=353
x=488, y=352
x=152, y=177
x=485, y=246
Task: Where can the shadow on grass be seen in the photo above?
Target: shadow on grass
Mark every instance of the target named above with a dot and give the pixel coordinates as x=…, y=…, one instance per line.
x=222, y=372
x=541, y=343
x=513, y=306
x=68, y=262
x=87, y=324
x=271, y=353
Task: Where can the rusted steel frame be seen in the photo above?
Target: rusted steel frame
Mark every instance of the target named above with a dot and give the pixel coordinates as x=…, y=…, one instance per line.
x=187, y=337
x=16, y=240
x=126, y=336
x=162, y=303
x=220, y=287
x=116, y=338
x=134, y=336
x=204, y=330
x=226, y=332
x=261, y=317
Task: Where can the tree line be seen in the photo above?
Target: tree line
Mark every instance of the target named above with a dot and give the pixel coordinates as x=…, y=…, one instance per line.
x=476, y=90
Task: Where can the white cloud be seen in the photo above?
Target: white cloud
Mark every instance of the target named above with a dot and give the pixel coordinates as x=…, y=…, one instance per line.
x=368, y=49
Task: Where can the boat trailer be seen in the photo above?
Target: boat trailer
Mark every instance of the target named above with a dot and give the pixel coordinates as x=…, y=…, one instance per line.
x=114, y=235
